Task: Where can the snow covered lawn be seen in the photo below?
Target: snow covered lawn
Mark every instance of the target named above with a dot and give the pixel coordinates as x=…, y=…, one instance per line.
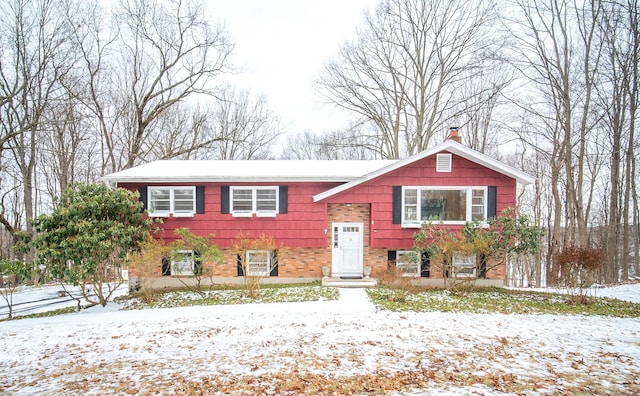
x=325, y=347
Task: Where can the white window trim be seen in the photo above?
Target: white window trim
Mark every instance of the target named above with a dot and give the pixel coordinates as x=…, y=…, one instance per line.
x=469, y=205
x=171, y=211
x=250, y=272
x=159, y=214
x=254, y=202
x=417, y=263
x=266, y=214
x=183, y=214
x=241, y=214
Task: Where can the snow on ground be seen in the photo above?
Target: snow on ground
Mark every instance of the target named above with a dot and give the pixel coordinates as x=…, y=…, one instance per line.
x=29, y=300
x=245, y=349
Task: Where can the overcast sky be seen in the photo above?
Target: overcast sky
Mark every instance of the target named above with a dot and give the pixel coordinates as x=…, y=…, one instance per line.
x=282, y=46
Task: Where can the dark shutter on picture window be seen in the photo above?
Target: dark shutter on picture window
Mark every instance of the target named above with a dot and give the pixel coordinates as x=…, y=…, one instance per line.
x=397, y=205
x=224, y=200
x=142, y=190
x=240, y=269
x=199, y=199
x=283, y=197
x=492, y=201
x=274, y=270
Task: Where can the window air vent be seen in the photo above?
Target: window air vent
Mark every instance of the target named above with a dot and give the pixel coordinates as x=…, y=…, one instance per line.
x=443, y=163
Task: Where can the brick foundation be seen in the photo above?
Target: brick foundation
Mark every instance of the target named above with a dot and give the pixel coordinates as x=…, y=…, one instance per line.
x=303, y=263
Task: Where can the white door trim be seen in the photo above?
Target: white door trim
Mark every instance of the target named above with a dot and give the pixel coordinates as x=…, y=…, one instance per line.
x=347, y=245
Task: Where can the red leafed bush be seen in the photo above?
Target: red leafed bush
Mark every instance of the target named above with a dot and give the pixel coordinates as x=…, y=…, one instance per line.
x=578, y=257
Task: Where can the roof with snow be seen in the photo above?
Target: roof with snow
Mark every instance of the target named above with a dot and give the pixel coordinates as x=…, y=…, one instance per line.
x=172, y=171
x=350, y=172
x=450, y=146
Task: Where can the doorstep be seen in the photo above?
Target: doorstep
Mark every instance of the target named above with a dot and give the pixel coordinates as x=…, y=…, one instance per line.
x=341, y=282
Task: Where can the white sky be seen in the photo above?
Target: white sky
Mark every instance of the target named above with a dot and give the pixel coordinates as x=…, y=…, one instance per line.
x=282, y=46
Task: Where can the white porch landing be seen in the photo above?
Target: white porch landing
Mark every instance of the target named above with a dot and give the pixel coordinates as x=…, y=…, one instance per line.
x=348, y=283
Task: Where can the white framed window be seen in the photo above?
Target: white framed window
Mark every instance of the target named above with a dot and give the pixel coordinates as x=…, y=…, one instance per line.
x=247, y=201
x=258, y=262
x=463, y=265
x=450, y=205
x=179, y=201
x=183, y=263
x=408, y=262
x=478, y=205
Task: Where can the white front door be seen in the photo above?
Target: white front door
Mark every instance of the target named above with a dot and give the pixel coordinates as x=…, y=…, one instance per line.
x=347, y=249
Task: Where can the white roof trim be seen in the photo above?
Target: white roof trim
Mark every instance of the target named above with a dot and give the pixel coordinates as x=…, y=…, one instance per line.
x=250, y=171
x=450, y=146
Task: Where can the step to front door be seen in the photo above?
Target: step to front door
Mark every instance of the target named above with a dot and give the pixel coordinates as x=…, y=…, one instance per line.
x=338, y=282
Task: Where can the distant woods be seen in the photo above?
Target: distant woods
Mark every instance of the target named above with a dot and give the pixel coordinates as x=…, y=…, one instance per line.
x=548, y=86
x=89, y=88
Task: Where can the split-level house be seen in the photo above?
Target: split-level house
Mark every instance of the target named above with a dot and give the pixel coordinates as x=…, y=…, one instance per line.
x=346, y=215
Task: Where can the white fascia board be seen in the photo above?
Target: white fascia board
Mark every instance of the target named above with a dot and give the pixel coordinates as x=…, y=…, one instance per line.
x=491, y=163
x=167, y=180
x=245, y=171
x=450, y=146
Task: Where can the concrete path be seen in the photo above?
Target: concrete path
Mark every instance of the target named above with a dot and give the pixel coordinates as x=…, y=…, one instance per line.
x=355, y=299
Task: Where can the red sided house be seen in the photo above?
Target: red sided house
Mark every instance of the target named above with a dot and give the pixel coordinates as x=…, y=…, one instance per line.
x=346, y=215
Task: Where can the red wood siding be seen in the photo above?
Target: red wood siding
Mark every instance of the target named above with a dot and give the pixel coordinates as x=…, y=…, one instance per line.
x=303, y=226
x=378, y=193
x=305, y=223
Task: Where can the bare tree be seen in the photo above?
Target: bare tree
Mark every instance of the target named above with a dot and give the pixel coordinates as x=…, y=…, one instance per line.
x=68, y=151
x=558, y=58
x=619, y=95
x=351, y=144
x=34, y=57
x=240, y=126
x=170, y=54
x=402, y=73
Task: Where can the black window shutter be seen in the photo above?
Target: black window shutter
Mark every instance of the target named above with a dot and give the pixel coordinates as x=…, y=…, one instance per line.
x=199, y=199
x=283, y=197
x=142, y=190
x=397, y=205
x=274, y=270
x=166, y=267
x=483, y=266
x=391, y=258
x=197, y=263
x=492, y=201
x=224, y=200
x=425, y=265
x=240, y=269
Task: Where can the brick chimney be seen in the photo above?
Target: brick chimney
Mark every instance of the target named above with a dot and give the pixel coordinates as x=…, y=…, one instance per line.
x=453, y=134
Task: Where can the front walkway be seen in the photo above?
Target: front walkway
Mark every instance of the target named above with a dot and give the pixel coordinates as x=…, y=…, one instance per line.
x=354, y=300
